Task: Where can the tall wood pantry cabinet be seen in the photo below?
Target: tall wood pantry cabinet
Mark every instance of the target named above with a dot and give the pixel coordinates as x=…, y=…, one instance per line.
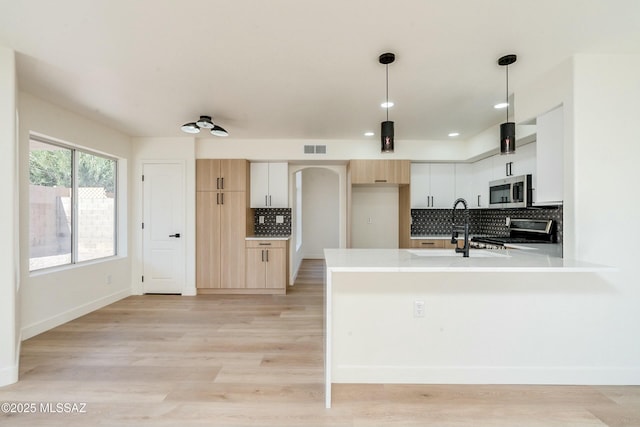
x=221, y=219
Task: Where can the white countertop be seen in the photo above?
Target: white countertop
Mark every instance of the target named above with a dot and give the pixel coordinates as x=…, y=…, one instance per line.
x=446, y=260
x=267, y=238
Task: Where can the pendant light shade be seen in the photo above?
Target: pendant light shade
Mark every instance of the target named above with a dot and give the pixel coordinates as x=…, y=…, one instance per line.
x=508, y=138
x=386, y=127
x=507, y=129
x=386, y=131
x=204, y=122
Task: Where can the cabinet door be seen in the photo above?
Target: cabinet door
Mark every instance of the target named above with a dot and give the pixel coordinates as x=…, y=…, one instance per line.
x=549, y=162
x=482, y=172
x=398, y=171
x=207, y=239
x=276, y=274
x=464, y=184
x=233, y=175
x=256, y=270
x=259, y=185
x=278, y=185
x=420, y=186
x=207, y=174
x=233, y=213
x=443, y=183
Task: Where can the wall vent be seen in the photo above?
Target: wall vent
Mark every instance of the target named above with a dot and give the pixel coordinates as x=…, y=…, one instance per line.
x=321, y=149
x=309, y=149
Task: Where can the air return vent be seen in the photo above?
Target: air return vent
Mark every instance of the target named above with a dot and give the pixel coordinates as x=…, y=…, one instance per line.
x=317, y=149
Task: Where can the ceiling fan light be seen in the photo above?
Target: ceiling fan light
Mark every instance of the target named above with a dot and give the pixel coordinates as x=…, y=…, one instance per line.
x=205, y=122
x=190, y=128
x=218, y=131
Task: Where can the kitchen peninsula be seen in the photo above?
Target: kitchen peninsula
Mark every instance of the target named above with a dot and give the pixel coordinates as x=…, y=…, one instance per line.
x=432, y=316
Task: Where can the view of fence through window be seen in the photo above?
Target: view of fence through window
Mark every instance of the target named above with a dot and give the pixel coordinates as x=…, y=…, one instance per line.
x=61, y=231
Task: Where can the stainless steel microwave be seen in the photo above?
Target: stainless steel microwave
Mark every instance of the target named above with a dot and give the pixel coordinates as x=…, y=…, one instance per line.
x=511, y=192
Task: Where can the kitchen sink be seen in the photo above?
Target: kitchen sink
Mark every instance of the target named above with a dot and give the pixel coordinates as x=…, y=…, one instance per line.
x=473, y=253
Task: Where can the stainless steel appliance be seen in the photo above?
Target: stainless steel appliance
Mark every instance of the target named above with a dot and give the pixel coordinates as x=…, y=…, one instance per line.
x=512, y=192
x=521, y=232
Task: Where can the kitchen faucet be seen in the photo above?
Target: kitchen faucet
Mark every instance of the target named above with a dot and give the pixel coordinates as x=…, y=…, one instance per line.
x=454, y=234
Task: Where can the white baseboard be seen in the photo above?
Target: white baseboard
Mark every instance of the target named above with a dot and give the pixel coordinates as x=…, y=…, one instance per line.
x=9, y=375
x=64, y=317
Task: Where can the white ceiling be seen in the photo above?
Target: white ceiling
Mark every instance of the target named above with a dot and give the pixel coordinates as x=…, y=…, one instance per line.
x=300, y=68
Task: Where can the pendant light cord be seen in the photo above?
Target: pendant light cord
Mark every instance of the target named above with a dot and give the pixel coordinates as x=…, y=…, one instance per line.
x=507, y=94
x=387, y=67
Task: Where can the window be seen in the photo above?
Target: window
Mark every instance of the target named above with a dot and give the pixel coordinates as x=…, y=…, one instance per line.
x=72, y=205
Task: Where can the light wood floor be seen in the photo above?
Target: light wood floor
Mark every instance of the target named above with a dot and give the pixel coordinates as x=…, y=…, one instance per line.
x=258, y=360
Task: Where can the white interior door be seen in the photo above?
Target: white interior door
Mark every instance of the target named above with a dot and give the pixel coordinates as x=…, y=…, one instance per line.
x=164, y=225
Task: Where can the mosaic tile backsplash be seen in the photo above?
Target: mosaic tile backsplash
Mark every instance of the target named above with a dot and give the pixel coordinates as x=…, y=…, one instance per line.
x=271, y=227
x=426, y=222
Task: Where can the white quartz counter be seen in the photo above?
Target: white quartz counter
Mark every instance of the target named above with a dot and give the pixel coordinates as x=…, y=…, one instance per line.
x=535, y=259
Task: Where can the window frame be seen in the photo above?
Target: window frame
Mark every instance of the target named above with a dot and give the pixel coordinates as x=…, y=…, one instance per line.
x=74, y=202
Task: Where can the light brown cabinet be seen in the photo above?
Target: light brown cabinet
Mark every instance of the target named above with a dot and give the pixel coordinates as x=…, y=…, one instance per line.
x=221, y=174
x=432, y=243
x=380, y=171
x=221, y=221
x=266, y=267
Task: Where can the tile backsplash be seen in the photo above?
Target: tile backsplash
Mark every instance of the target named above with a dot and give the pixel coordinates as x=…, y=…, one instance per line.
x=482, y=221
x=275, y=221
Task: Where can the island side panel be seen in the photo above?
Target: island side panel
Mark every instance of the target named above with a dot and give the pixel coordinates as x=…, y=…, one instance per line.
x=499, y=328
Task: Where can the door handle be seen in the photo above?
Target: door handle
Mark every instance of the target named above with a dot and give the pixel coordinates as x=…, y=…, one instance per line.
x=177, y=235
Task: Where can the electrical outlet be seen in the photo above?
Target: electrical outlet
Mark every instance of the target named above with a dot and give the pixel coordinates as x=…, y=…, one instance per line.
x=508, y=221
x=107, y=279
x=260, y=219
x=279, y=219
x=369, y=220
x=418, y=308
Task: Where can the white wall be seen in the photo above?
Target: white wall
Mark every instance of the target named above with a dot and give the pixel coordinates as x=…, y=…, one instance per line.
x=320, y=211
x=9, y=273
x=374, y=217
x=165, y=149
x=339, y=171
x=292, y=149
x=49, y=298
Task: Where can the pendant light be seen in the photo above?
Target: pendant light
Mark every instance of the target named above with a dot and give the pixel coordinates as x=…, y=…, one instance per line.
x=204, y=122
x=386, y=127
x=507, y=129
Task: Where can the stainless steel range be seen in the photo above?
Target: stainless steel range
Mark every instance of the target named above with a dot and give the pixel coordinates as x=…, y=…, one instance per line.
x=521, y=231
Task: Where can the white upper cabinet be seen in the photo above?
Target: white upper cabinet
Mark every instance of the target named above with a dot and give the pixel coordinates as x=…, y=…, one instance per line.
x=482, y=174
x=432, y=185
x=269, y=185
x=549, y=177
x=465, y=184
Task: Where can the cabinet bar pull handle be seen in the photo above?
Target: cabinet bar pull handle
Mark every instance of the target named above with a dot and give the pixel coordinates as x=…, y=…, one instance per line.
x=478, y=200
x=265, y=200
x=217, y=183
x=267, y=251
x=222, y=198
x=263, y=255
x=264, y=244
x=380, y=180
x=427, y=243
x=222, y=183
x=269, y=199
x=217, y=198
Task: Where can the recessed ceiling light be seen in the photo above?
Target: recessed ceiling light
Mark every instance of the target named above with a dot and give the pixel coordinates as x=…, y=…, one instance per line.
x=369, y=134
x=454, y=134
x=501, y=105
x=387, y=104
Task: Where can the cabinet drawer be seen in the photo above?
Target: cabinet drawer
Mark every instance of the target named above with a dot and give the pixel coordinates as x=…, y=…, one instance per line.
x=427, y=243
x=265, y=243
